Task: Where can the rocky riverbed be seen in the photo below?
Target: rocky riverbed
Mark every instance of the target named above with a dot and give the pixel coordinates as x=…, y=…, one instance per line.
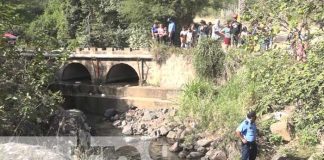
x=182, y=134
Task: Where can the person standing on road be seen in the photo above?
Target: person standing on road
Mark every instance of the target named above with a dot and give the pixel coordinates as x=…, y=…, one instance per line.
x=247, y=132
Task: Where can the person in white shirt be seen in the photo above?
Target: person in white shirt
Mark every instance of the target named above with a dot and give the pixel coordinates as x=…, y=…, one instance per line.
x=216, y=30
x=183, y=35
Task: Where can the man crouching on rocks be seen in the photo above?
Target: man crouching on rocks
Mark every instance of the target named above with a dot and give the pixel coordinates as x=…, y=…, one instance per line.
x=247, y=132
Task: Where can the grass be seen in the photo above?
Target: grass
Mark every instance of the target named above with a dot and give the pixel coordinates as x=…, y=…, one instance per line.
x=218, y=109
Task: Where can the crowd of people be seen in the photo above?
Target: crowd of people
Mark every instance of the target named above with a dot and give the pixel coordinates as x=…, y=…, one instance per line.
x=191, y=34
x=231, y=33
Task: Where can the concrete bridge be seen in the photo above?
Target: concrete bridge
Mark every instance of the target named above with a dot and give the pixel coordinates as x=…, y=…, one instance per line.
x=100, y=66
x=93, y=78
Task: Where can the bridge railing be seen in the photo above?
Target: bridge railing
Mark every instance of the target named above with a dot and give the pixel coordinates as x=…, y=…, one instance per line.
x=94, y=50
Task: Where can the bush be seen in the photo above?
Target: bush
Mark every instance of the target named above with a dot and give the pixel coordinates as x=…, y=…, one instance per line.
x=209, y=59
x=281, y=80
x=217, y=108
x=138, y=36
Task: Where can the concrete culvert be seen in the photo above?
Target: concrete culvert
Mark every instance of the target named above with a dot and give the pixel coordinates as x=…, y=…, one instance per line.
x=76, y=72
x=122, y=73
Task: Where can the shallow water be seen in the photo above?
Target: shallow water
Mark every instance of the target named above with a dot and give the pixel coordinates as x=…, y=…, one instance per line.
x=158, y=148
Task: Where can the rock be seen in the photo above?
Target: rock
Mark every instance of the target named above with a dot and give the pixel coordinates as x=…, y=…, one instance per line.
x=165, y=110
x=210, y=152
x=202, y=149
x=149, y=115
x=187, y=146
x=173, y=112
x=117, y=123
x=233, y=151
x=123, y=123
x=279, y=156
x=109, y=113
x=183, y=134
x=204, y=142
x=150, y=132
x=194, y=155
x=316, y=156
x=143, y=126
x=68, y=123
x=17, y=151
x=154, y=133
x=116, y=117
x=129, y=118
x=164, y=130
x=183, y=154
x=179, y=131
x=172, y=135
x=266, y=117
x=218, y=155
x=128, y=130
x=281, y=128
x=175, y=147
x=132, y=107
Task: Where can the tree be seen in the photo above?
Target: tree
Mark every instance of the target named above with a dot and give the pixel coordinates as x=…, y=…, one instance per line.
x=145, y=12
x=25, y=100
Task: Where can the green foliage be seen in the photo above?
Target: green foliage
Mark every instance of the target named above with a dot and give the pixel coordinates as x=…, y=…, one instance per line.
x=285, y=13
x=25, y=100
x=139, y=37
x=210, y=105
x=281, y=80
x=275, y=139
x=308, y=135
x=50, y=30
x=209, y=59
x=145, y=12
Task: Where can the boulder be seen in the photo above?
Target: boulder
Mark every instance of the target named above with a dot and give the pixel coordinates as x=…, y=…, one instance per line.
x=316, y=156
x=17, y=151
x=127, y=130
x=282, y=129
x=175, y=147
x=183, y=154
x=202, y=149
x=117, y=123
x=203, y=142
x=172, y=135
x=218, y=155
x=110, y=113
x=233, y=150
x=164, y=130
x=68, y=123
x=194, y=155
x=279, y=156
x=149, y=115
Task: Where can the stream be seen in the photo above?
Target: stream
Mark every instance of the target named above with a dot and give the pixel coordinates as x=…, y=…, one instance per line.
x=158, y=148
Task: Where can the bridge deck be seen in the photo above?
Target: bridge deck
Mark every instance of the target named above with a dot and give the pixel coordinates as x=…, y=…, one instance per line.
x=78, y=56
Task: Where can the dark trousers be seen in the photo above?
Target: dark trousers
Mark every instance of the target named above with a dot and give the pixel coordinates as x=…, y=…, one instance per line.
x=172, y=38
x=249, y=151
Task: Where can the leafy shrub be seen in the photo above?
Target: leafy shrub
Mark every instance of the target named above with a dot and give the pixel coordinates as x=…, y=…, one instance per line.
x=209, y=58
x=25, y=100
x=217, y=108
x=138, y=36
x=281, y=80
x=275, y=139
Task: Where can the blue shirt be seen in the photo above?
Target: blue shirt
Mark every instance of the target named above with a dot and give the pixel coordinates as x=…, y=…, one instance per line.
x=248, y=130
x=171, y=27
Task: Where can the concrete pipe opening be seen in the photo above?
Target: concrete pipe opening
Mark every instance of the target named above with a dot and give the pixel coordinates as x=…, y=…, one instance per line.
x=76, y=72
x=122, y=73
